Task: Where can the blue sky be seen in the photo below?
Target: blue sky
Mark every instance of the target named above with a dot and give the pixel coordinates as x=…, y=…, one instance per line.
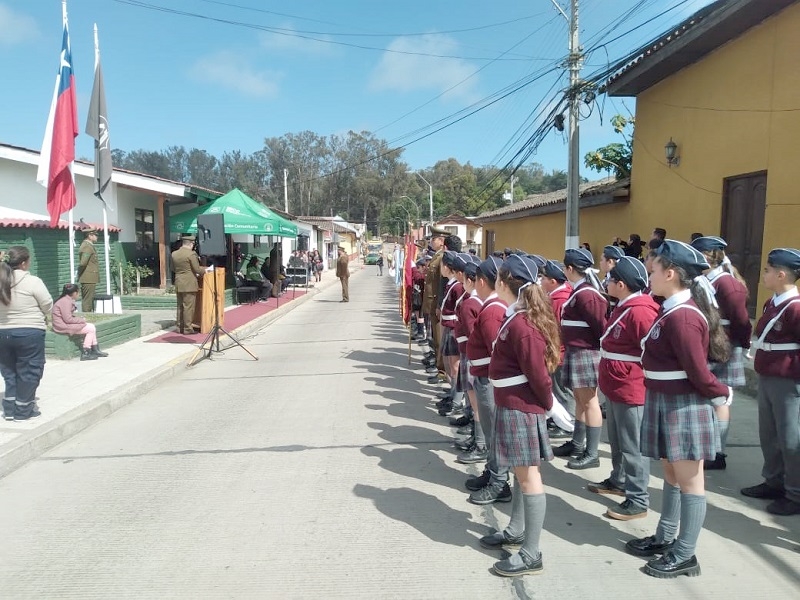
x=200, y=83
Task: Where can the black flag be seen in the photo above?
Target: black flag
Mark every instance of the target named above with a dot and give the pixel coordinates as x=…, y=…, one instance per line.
x=97, y=127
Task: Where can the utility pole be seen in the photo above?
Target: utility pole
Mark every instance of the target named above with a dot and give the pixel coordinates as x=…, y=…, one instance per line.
x=574, y=63
x=430, y=187
x=514, y=179
x=286, y=190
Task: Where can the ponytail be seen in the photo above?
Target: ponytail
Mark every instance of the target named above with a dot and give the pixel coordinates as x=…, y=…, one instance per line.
x=69, y=289
x=719, y=347
x=15, y=256
x=590, y=276
x=718, y=258
x=534, y=302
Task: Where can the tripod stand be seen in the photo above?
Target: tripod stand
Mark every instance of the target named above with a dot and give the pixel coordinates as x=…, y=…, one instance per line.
x=212, y=339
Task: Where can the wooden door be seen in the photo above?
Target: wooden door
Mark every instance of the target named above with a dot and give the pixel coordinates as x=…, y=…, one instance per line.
x=489, y=242
x=744, y=204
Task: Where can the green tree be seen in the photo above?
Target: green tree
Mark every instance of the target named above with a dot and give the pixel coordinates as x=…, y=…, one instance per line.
x=616, y=157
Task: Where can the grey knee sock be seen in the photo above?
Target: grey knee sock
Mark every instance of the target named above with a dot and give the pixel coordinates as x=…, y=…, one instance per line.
x=579, y=435
x=516, y=526
x=592, y=440
x=458, y=397
x=535, y=507
x=670, y=514
x=693, y=514
x=724, y=427
x=480, y=436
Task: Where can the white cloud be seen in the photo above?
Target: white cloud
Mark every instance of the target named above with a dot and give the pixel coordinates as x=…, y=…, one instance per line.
x=16, y=28
x=231, y=71
x=289, y=41
x=409, y=72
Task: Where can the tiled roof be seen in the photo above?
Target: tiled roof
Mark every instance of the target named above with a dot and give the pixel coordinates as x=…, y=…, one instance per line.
x=458, y=219
x=10, y=217
x=594, y=188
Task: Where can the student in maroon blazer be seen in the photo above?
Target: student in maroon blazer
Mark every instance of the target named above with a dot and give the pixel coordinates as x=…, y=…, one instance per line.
x=558, y=289
x=525, y=352
x=730, y=292
x=492, y=485
x=621, y=379
x=777, y=363
x=447, y=310
x=583, y=321
x=678, y=425
x=467, y=308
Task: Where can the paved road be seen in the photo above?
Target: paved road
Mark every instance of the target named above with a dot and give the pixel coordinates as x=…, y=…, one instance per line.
x=321, y=471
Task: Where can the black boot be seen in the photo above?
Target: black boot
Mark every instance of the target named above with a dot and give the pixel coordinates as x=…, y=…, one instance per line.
x=87, y=354
x=97, y=352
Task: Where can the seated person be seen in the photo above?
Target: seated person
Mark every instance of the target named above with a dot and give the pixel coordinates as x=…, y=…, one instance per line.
x=254, y=277
x=66, y=322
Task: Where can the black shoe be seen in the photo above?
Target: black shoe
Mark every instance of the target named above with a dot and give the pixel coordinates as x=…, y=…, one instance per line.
x=444, y=393
x=584, y=461
x=422, y=342
x=568, y=449
x=491, y=494
x=647, y=546
x=467, y=429
x=446, y=408
x=556, y=433
x=432, y=370
x=34, y=414
x=500, y=539
x=8, y=417
x=666, y=567
x=444, y=401
x=603, y=410
x=474, y=484
x=465, y=445
x=626, y=511
x=460, y=421
x=718, y=464
x=528, y=566
x=605, y=487
x=453, y=409
x=784, y=507
x=97, y=352
x=472, y=456
x=87, y=354
x=762, y=490
x=433, y=379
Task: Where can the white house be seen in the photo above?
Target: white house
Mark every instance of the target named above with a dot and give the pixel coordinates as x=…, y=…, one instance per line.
x=470, y=232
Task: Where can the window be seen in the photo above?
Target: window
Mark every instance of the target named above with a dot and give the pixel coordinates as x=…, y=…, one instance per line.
x=452, y=229
x=145, y=229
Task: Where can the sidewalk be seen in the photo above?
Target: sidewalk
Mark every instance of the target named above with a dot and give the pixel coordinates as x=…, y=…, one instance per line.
x=74, y=395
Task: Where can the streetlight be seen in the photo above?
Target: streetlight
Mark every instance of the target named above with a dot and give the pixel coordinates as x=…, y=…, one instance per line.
x=431, y=196
x=416, y=207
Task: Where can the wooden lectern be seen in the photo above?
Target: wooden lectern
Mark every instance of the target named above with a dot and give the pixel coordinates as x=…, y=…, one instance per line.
x=204, y=305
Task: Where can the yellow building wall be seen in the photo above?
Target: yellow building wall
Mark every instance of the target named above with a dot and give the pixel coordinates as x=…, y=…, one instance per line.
x=544, y=234
x=753, y=87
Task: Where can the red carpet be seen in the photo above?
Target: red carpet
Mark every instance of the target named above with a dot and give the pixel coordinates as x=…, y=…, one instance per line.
x=234, y=318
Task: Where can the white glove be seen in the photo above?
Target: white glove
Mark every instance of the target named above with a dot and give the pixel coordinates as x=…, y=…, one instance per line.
x=560, y=416
x=724, y=400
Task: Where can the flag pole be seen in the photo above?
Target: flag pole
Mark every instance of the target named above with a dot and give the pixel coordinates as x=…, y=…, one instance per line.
x=72, y=175
x=106, y=245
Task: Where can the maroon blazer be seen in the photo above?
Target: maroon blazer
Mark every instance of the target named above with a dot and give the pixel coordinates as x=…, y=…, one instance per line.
x=451, y=295
x=467, y=312
x=585, y=305
x=487, y=324
x=519, y=351
x=678, y=341
x=786, y=330
x=559, y=297
x=623, y=380
x=731, y=296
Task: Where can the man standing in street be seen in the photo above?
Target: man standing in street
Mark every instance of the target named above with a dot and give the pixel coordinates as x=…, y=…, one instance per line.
x=187, y=270
x=88, y=269
x=343, y=273
x=430, y=303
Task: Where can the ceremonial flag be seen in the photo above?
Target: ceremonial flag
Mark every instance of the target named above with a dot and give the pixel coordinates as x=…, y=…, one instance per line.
x=408, y=281
x=58, y=147
x=97, y=127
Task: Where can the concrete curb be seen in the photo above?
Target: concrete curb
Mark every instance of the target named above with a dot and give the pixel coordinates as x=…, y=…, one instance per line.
x=36, y=442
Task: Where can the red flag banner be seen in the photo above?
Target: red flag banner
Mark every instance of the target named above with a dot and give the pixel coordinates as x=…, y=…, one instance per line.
x=58, y=147
x=407, y=277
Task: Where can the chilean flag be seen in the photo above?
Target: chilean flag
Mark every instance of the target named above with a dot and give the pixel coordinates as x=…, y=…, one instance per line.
x=58, y=147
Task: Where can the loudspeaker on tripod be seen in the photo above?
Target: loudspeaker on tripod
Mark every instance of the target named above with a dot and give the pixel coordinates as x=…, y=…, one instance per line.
x=211, y=235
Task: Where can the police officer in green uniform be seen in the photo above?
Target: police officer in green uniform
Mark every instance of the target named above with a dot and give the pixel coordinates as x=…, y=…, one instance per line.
x=88, y=269
x=187, y=269
x=430, y=303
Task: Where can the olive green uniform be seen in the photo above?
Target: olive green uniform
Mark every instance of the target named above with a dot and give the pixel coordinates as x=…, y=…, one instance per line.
x=187, y=267
x=88, y=274
x=430, y=303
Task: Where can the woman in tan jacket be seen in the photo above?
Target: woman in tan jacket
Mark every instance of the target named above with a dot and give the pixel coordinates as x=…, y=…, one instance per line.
x=24, y=306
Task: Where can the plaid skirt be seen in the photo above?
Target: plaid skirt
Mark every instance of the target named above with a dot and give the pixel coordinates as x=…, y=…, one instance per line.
x=580, y=368
x=449, y=343
x=520, y=439
x=679, y=427
x=732, y=372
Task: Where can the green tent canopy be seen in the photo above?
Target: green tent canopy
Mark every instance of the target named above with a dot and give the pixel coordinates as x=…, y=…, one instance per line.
x=242, y=215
